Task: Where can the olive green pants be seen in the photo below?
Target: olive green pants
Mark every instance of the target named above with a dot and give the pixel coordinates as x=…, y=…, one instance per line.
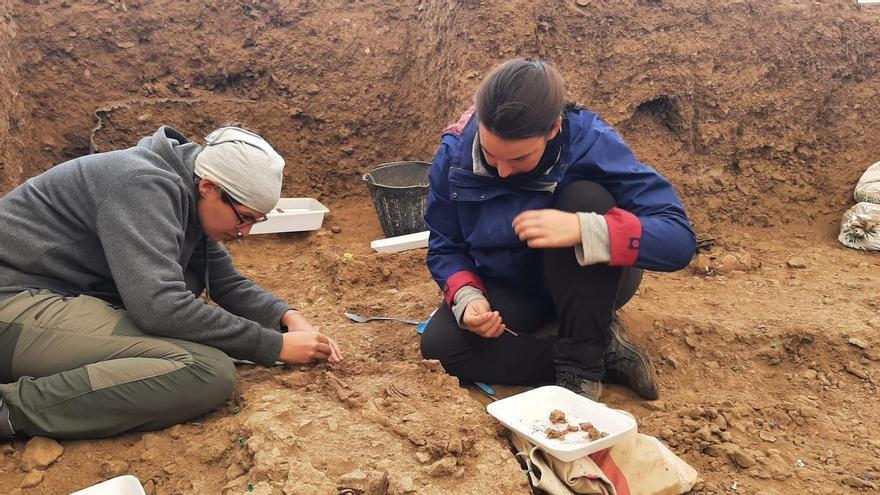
x=78, y=367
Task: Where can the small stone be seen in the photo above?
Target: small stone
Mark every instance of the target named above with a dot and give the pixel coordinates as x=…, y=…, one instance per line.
x=767, y=437
x=113, y=468
x=355, y=476
x=40, y=452
x=742, y=458
x=336, y=229
x=151, y=441
x=654, y=405
x=702, y=264
x=728, y=263
x=855, y=370
x=72, y=34
x=32, y=479
x=455, y=447
x=125, y=45
x=856, y=482
x=234, y=471
x=583, y=3
x=423, y=457
x=175, y=431
x=149, y=487
x=443, y=467
x=861, y=344
x=406, y=485
x=796, y=262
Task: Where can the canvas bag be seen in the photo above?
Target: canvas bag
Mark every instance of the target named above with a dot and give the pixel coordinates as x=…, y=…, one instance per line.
x=637, y=465
x=860, y=227
x=868, y=188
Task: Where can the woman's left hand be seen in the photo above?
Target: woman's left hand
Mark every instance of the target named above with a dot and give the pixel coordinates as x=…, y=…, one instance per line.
x=548, y=228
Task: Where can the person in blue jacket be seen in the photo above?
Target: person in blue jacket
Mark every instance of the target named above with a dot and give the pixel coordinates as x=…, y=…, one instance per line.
x=538, y=211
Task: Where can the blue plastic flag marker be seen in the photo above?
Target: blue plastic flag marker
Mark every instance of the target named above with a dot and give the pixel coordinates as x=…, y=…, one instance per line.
x=422, y=325
x=489, y=390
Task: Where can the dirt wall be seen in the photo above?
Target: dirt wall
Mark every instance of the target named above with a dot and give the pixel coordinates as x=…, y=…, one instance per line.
x=10, y=107
x=757, y=110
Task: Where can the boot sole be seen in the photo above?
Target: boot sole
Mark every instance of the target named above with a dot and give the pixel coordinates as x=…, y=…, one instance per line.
x=646, y=361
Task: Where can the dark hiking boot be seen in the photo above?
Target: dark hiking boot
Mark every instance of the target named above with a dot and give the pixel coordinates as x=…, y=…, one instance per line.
x=581, y=386
x=6, y=430
x=628, y=365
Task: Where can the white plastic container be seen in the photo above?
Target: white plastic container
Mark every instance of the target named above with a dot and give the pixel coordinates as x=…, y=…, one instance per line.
x=528, y=414
x=121, y=485
x=293, y=215
x=401, y=242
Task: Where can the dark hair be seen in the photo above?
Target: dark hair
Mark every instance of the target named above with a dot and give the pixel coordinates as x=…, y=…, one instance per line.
x=521, y=98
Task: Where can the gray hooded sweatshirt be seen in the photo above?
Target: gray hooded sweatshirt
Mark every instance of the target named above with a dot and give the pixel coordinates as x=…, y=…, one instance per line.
x=123, y=226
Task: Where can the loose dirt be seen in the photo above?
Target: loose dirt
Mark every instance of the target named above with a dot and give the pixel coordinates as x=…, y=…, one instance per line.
x=763, y=114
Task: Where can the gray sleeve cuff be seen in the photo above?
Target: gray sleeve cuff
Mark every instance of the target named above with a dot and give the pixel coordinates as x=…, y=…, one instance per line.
x=466, y=295
x=595, y=246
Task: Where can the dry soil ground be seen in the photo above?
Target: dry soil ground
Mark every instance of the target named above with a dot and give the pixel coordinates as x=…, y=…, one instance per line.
x=763, y=114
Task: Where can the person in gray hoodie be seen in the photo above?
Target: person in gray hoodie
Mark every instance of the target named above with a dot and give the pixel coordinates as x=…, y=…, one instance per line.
x=102, y=263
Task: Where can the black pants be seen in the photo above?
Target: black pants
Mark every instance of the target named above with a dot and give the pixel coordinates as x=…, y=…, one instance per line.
x=582, y=299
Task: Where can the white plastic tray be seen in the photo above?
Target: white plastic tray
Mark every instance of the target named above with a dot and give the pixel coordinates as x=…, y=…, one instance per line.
x=528, y=414
x=121, y=485
x=293, y=215
x=401, y=243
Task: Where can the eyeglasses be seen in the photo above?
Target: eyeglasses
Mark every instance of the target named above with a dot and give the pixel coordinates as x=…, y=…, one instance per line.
x=242, y=220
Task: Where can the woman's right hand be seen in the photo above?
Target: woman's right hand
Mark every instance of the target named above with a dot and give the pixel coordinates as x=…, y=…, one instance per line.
x=481, y=320
x=302, y=347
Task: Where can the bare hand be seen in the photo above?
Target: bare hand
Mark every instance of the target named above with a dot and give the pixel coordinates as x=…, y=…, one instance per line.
x=481, y=320
x=548, y=228
x=296, y=322
x=302, y=347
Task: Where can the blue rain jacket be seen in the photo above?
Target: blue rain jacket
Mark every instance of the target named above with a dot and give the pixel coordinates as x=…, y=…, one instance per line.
x=470, y=215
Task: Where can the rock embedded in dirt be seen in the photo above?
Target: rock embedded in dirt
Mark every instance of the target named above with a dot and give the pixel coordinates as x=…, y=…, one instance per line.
x=40, y=452
x=858, y=371
x=423, y=457
x=336, y=229
x=151, y=441
x=234, y=471
x=32, y=479
x=455, y=447
x=861, y=344
x=767, y=437
x=742, y=458
x=855, y=482
x=796, y=262
x=175, y=431
x=702, y=264
x=113, y=468
x=654, y=405
x=354, y=477
x=443, y=467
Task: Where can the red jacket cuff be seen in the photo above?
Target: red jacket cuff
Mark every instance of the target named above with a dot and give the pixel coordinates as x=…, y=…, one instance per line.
x=625, y=234
x=459, y=280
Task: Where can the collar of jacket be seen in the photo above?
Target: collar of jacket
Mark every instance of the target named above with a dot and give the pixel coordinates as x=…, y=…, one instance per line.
x=471, y=172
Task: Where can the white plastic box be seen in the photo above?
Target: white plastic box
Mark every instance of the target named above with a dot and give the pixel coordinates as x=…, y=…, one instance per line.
x=528, y=414
x=121, y=485
x=400, y=243
x=293, y=215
